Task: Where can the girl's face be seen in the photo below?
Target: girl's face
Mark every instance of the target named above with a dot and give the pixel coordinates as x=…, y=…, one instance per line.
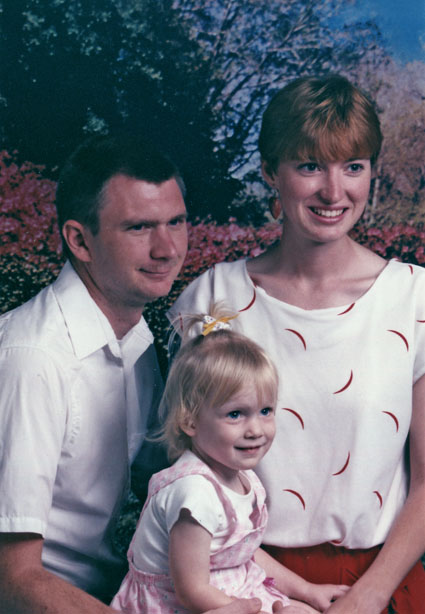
x=235, y=435
x=321, y=201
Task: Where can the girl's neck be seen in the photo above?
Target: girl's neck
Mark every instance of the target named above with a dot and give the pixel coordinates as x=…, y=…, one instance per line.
x=231, y=478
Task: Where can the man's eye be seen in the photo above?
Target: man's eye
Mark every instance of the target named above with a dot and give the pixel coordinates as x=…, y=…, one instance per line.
x=141, y=226
x=177, y=222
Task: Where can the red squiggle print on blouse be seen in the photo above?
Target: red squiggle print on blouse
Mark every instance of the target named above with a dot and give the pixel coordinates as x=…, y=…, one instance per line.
x=297, y=494
x=249, y=304
x=378, y=494
x=350, y=379
x=411, y=269
x=347, y=310
x=393, y=417
x=296, y=414
x=402, y=337
x=299, y=335
x=344, y=467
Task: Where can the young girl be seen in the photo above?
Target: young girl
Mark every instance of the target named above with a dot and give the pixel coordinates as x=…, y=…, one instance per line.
x=203, y=521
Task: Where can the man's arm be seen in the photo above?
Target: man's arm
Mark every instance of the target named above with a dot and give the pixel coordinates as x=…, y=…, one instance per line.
x=26, y=587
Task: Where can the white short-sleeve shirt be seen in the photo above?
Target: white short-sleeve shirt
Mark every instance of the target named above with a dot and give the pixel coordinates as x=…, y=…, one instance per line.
x=74, y=404
x=198, y=495
x=336, y=471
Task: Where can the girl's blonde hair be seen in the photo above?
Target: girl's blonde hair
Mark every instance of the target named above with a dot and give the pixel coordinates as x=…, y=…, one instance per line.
x=206, y=372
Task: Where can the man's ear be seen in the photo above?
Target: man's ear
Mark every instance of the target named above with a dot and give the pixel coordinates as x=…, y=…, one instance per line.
x=75, y=235
x=268, y=174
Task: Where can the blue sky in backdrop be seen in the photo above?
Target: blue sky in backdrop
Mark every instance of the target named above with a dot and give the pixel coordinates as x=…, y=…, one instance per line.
x=402, y=23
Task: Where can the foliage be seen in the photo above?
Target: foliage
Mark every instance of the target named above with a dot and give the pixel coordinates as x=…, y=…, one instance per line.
x=31, y=254
x=191, y=75
x=399, y=189
x=30, y=246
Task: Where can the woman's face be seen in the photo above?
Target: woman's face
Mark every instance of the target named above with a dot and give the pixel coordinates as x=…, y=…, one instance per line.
x=321, y=201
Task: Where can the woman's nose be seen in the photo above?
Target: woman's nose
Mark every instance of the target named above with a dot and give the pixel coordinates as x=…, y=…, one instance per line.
x=332, y=188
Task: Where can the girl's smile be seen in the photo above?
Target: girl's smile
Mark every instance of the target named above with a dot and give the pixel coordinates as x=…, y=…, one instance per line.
x=234, y=436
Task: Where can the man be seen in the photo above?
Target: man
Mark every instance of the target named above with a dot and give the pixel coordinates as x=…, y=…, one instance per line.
x=80, y=380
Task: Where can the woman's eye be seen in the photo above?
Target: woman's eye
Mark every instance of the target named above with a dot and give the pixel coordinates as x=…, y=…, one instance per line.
x=356, y=167
x=234, y=414
x=310, y=167
x=266, y=411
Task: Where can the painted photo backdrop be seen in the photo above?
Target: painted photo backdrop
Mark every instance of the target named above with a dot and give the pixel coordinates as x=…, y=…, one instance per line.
x=195, y=77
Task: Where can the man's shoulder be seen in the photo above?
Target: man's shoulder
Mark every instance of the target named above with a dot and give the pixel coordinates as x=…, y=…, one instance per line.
x=38, y=323
x=42, y=322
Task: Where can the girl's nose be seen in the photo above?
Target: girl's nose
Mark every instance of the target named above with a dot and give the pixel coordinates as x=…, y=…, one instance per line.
x=254, y=428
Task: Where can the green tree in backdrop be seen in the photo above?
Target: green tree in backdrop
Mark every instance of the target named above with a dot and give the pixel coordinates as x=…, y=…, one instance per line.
x=191, y=75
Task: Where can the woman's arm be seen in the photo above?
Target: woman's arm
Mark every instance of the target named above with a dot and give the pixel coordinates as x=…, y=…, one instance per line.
x=406, y=541
x=317, y=595
x=189, y=553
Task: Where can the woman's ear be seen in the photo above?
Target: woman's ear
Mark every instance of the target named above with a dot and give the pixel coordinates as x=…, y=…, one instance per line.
x=268, y=174
x=75, y=235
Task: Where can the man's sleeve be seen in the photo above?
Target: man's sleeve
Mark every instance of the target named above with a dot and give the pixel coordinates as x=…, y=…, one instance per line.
x=32, y=427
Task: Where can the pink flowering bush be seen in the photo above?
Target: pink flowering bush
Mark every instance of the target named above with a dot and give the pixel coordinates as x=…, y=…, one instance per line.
x=30, y=246
x=31, y=253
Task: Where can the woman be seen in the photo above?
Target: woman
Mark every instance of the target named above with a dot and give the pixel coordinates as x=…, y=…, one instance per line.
x=347, y=331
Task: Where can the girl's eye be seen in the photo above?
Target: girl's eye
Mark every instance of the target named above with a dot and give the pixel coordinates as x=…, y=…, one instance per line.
x=234, y=414
x=266, y=411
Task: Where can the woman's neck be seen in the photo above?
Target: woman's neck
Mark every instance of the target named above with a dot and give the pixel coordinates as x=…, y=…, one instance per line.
x=315, y=261
x=316, y=276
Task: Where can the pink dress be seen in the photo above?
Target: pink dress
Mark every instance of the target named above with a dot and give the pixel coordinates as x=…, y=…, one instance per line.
x=232, y=568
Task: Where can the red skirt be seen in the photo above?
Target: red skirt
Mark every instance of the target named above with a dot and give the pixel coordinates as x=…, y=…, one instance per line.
x=326, y=563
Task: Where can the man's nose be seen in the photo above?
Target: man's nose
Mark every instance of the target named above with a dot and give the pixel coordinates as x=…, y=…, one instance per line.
x=162, y=243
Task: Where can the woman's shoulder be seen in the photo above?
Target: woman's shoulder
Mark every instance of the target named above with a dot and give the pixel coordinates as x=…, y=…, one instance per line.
x=213, y=285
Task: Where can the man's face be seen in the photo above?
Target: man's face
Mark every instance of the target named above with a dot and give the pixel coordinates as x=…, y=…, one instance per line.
x=140, y=246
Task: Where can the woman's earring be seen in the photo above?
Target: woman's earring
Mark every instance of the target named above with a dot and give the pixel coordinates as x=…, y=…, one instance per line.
x=275, y=206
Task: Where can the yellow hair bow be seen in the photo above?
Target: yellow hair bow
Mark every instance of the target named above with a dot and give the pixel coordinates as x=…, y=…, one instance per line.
x=211, y=324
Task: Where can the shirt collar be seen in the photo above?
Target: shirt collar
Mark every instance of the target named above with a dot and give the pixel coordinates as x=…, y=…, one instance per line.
x=89, y=328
